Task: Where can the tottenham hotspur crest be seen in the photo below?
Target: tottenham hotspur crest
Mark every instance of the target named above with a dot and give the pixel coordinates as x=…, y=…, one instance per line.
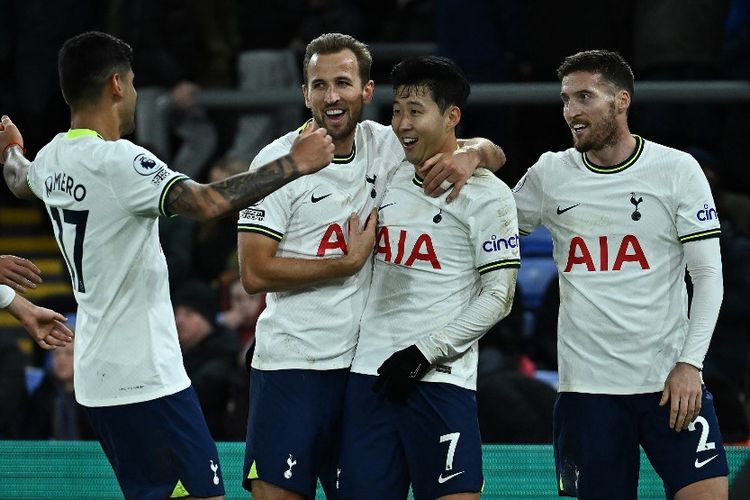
x=291, y=462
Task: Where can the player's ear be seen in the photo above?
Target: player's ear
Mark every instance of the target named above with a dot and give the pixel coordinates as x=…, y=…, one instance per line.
x=453, y=116
x=116, y=84
x=307, y=97
x=367, y=91
x=622, y=100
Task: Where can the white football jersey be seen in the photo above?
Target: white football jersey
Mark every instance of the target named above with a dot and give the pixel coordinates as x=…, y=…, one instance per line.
x=618, y=233
x=429, y=256
x=103, y=198
x=316, y=327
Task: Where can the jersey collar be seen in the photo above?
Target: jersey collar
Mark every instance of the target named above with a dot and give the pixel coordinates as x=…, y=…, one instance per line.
x=75, y=133
x=629, y=161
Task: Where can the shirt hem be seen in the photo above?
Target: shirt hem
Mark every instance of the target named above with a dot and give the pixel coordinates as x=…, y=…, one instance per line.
x=614, y=391
x=140, y=398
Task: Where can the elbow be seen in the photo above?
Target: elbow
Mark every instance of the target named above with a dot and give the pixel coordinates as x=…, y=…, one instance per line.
x=253, y=284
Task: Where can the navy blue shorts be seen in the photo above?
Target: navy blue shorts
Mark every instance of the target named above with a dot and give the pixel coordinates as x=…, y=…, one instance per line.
x=432, y=441
x=159, y=448
x=293, y=428
x=597, y=438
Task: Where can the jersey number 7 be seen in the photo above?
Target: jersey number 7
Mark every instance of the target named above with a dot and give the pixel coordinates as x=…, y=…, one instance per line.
x=78, y=219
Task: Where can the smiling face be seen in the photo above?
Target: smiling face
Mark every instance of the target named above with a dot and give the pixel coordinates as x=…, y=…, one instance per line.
x=595, y=112
x=420, y=126
x=335, y=94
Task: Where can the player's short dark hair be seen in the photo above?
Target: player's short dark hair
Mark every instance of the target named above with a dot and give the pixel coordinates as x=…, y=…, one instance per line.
x=331, y=43
x=611, y=65
x=441, y=76
x=85, y=63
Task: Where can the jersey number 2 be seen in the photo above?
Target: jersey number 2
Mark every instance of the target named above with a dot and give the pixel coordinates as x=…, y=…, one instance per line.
x=78, y=219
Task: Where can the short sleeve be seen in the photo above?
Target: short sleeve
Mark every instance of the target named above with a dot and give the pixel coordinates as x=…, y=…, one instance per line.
x=697, y=218
x=528, y=196
x=140, y=182
x=269, y=216
x=494, y=233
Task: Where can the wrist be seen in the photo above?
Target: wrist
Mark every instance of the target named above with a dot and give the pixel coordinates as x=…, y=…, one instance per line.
x=8, y=149
x=690, y=364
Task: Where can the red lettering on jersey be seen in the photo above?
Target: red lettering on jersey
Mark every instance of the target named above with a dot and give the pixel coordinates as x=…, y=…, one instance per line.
x=428, y=255
x=577, y=243
x=383, y=245
x=332, y=239
x=603, y=253
x=637, y=256
x=400, y=251
x=630, y=251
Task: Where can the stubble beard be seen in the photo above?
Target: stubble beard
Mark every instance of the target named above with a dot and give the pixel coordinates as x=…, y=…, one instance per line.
x=346, y=130
x=605, y=136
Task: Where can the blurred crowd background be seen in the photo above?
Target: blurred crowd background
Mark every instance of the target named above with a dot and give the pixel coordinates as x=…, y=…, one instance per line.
x=187, y=46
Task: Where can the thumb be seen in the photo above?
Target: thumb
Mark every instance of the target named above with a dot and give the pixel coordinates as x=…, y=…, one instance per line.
x=664, y=396
x=310, y=126
x=428, y=164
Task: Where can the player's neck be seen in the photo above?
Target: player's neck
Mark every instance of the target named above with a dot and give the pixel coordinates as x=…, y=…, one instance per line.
x=105, y=125
x=343, y=147
x=615, y=153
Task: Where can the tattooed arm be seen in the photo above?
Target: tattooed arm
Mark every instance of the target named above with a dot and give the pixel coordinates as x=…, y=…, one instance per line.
x=311, y=151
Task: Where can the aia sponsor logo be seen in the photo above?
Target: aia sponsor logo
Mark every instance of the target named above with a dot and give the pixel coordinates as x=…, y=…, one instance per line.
x=402, y=248
x=628, y=251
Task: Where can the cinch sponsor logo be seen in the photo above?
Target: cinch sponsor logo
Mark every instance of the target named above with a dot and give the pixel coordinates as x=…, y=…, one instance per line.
x=495, y=244
x=708, y=213
x=65, y=184
x=253, y=214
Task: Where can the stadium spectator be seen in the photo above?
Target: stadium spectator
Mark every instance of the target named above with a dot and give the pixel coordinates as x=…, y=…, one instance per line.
x=306, y=246
x=180, y=47
x=52, y=411
x=627, y=216
x=105, y=208
x=243, y=312
x=411, y=397
x=209, y=351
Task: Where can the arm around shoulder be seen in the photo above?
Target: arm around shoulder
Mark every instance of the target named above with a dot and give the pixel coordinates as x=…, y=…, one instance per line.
x=488, y=154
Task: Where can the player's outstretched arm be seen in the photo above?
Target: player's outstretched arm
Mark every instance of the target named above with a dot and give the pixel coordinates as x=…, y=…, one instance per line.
x=19, y=273
x=453, y=169
x=311, y=151
x=15, y=164
x=263, y=271
x=45, y=326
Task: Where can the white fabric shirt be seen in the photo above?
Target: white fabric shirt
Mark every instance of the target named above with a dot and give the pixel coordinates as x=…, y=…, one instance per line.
x=316, y=327
x=429, y=256
x=618, y=237
x=103, y=198
x=7, y=294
